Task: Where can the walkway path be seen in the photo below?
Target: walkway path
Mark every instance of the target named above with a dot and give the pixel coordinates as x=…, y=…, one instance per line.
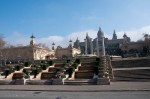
x=115, y=86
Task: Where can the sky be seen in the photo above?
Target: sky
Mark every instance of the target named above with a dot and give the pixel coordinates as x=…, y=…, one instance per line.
x=59, y=21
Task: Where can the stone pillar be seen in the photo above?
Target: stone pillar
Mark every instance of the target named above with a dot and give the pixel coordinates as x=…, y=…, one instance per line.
x=91, y=45
x=103, y=47
x=53, y=44
x=97, y=47
x=85, y=46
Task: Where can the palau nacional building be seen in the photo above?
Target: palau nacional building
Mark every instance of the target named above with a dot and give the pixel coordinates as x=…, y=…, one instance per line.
x=96, y=47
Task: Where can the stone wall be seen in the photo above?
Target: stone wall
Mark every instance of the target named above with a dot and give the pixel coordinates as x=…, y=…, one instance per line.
x=127, y=63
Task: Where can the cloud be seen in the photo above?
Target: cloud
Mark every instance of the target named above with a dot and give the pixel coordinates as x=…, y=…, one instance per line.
x=19, y=38
x=49, y=40
x=135, y=34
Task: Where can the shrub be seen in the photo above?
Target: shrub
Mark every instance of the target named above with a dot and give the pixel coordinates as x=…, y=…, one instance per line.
x=75, y=65
x=36, y=70
x=45, y=66
x=97, y=59
x=27, y=63
x=68, y=60
x=51, y=62
x=96, y=70
x=7, y=71
x=69, y=71
x=18, y=67
x=77, y=61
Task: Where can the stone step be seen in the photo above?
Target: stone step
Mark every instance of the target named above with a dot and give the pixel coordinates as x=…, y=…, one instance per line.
x=38, y=82
x=80, y=82
x=59, y=65
x=132, y=75
x=48, y=75
x=88, y=64
x=17, y=76
x=52, y=69
x=86, y=68
x=84, y=74
x=5, y=82
x=17, y=82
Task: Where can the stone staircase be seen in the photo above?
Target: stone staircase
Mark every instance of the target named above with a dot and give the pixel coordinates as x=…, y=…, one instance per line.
x=136, y=69
x=81, y=82
x=84, y=75
x=132, y=74
x=85, y=71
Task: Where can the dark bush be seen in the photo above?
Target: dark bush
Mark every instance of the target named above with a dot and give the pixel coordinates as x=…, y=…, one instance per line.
x=70, y=71
x=18, y=67
x=68, y=60
x=97, y=59
x=75, y=65
x=51, y=62
x=36, y=70
x=26, y=64
x=96, y=70
x=77, y=61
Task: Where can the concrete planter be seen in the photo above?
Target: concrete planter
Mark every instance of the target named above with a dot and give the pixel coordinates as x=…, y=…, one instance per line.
x=57, y=82
x=38, y=82
x=103, y=81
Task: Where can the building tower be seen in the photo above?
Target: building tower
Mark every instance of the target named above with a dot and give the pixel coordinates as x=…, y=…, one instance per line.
x=53, y=44
x=114, y=36
x=32, y=42
x=70, y=44
x=77, y=44
x=100, y=34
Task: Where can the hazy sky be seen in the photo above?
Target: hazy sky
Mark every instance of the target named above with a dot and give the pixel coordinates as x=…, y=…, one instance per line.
x=60, y=20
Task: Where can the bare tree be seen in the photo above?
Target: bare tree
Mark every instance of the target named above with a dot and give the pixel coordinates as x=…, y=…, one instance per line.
x=2, y=44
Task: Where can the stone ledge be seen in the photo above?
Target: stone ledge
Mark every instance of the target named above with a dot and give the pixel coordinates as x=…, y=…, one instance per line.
x=103, y=81
x=5, y=82
x=57, y=82
x=38, y=82
x=17, y=82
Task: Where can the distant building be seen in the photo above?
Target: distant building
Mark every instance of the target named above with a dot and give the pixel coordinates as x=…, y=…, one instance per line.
x=113, y=46
x=34, y=52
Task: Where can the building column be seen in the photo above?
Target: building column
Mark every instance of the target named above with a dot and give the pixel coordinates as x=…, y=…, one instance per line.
x=97, y=47
x=91, y=45
x=103, y=47
x=85, y=46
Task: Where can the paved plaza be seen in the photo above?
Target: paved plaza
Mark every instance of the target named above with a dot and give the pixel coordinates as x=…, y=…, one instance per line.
x=117, y=90
x=114, y=86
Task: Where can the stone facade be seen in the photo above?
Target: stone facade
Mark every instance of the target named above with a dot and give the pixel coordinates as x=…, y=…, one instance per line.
x=112, y=46
x=34, y=52
x=67, y=52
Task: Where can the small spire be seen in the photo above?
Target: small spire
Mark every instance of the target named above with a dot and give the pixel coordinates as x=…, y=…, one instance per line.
x=32, y=36
x=124, y=35
x=77, y=39
x=53, y=48
x=86, y=34
x=114, y=31
x=32, y=42
x=99, y=28
x=53, y=43
x=70, y=41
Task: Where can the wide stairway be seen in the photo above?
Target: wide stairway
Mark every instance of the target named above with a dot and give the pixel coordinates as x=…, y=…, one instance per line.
x=84, y=74
x=131, y=69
